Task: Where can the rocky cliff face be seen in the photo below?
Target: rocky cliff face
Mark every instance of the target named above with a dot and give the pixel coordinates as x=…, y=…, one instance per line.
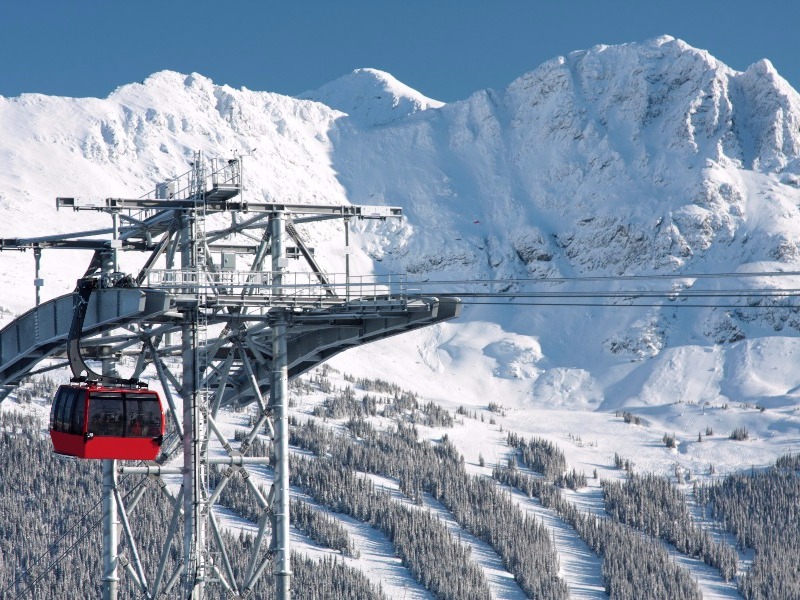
x=628, y=159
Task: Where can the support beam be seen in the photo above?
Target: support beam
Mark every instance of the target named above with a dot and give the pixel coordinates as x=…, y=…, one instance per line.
x=223, y=553
x=111, y=507
x=126, y=527
x=110, y=531
x=194, y=535
x=279, y=402
x=165, y=550
x=162, y=373
x=263, y=522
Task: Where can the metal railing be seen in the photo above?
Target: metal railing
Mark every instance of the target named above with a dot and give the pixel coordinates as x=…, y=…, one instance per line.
x=293, y=286
x=184, y=186
x=223, y=173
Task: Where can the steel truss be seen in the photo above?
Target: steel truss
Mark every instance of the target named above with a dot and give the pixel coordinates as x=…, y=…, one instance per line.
x=214, y=338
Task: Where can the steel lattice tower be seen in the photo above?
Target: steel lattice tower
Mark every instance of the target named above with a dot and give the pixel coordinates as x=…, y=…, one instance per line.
x=241, y=334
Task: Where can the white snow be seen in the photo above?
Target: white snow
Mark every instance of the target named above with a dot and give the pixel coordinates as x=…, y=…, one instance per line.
x=371, y=97
x=634, y=160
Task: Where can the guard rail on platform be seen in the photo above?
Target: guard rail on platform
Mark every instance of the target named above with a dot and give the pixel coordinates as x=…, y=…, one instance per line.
x=305, y=286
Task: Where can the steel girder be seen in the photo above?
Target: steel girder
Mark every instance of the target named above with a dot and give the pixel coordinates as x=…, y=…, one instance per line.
x=138, y=315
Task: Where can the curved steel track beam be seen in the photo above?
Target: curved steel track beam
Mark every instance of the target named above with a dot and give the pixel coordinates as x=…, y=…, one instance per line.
x=131, y=314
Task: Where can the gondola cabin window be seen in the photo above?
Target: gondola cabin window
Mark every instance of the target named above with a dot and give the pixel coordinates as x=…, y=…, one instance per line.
x=106, y=414
x=142, y=415
x=69, y=408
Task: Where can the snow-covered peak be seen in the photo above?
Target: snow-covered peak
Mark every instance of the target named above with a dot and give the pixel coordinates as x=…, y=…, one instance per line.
x=371, y=97
x=169, y=90
x=696, y=105
x=770, y=117
x=166, y=80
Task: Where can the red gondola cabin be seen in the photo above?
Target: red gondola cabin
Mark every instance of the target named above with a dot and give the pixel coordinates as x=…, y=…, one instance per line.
x=91, y=421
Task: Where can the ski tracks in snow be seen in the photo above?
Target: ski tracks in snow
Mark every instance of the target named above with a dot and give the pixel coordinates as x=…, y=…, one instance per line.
x=501, y=582
x=579, y=566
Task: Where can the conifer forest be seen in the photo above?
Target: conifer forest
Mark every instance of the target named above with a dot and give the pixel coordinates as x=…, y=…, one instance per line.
x=359, y=457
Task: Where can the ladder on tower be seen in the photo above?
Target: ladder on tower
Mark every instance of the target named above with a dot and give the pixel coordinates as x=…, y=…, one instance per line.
x=200, y=276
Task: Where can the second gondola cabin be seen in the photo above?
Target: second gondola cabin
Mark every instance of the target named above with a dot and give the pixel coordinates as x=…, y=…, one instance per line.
x=92, y=421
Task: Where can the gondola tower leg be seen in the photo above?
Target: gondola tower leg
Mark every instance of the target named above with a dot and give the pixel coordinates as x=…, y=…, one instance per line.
x=111, y=523
x=110, y=531
x=194, y=538
x=279, y=401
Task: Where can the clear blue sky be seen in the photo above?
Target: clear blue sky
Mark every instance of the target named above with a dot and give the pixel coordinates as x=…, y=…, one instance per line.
x=445, y=49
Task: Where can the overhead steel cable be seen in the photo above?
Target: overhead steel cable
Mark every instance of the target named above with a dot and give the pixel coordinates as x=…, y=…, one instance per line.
x=595, y=278
x=668, y=295
x=634, y=305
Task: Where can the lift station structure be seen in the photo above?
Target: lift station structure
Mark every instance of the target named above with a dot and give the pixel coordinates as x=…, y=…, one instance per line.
x=214, y=337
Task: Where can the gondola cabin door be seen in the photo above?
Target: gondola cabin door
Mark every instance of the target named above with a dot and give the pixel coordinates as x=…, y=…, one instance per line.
x=91, y=421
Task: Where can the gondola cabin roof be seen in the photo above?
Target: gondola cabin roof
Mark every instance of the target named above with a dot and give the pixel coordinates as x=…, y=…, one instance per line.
x=93, y=421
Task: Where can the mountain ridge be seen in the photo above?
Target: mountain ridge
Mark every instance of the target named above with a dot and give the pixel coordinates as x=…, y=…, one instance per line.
x=639, y=159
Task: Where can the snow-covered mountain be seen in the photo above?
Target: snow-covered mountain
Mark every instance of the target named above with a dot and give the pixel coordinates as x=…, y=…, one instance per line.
x=640, y=159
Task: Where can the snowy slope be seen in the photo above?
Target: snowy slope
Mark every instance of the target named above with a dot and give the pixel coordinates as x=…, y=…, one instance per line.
x=639, y=159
